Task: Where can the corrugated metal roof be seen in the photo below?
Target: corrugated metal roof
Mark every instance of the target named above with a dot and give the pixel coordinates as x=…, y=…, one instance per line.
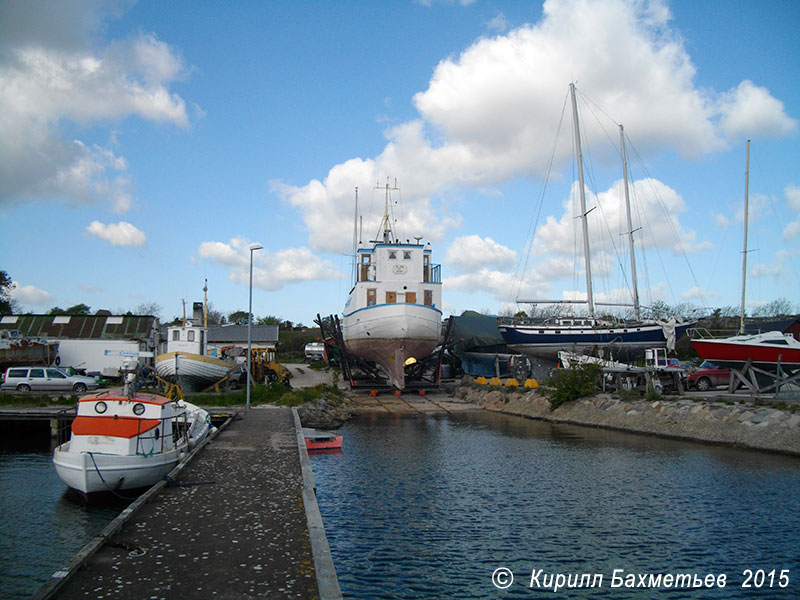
x=238, y=333
x=132, y=327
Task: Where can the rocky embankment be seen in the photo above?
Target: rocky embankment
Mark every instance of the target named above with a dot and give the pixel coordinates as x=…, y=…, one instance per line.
x=327, y=412
x=737, y=424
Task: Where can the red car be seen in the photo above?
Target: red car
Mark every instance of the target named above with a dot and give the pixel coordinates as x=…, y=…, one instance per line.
x=707, y=376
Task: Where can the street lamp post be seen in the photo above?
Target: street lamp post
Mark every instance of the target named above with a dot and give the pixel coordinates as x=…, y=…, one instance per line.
x=253, y=248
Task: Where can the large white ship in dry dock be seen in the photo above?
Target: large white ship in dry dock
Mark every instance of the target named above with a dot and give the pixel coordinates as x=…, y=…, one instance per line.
x=393, y=312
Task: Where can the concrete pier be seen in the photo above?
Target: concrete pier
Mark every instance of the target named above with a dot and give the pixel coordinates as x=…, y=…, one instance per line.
x=240, y=521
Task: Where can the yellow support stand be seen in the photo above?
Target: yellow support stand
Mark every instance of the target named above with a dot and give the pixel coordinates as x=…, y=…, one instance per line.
x=512, y=383
x=495, y=381
x=531, y=384
x=170, y=389
x=481, y=380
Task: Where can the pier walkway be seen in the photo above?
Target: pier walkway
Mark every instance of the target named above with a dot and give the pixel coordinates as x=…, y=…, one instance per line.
x=233, y=525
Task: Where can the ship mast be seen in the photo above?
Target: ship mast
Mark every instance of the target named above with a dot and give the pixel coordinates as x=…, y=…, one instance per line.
x=636, y=309
x=355, y=241
x=388, y=234
x=584, y=221
x=744, y=250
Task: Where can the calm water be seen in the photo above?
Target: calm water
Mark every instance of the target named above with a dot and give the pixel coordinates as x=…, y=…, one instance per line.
x=41, y=528
x=429, y=507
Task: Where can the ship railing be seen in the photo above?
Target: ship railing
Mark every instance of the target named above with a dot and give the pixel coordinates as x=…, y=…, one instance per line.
x=432, y=274
x=699, y=333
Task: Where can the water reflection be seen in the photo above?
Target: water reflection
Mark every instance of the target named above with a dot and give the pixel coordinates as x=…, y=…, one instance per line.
x=429, y=506
x=42, y=525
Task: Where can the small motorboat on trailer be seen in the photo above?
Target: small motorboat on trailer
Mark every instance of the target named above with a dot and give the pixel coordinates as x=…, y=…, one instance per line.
x=128, y=441
x=321, y=440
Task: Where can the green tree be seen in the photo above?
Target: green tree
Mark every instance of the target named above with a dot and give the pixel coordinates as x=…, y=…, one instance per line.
x=6, y=302
x=239, y=317
x=78, y=309
x=270, y=320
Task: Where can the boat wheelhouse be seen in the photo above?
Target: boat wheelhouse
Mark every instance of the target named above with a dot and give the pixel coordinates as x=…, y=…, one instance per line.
x=121, y=442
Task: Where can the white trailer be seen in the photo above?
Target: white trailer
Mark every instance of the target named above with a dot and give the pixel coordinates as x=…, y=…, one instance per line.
x=99, y=356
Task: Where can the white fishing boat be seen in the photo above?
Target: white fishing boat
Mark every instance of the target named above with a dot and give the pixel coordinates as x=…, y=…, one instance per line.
x=189, y=360
x=393, y=313
x=545, y=338
x=120, y=442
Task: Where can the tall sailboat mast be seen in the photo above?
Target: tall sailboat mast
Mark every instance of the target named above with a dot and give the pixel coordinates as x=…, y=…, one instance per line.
x=584, y=221
x=355, y=241
x=744, y=250
x=636, y=309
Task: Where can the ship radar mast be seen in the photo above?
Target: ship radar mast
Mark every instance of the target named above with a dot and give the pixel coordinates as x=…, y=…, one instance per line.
x=386, y=225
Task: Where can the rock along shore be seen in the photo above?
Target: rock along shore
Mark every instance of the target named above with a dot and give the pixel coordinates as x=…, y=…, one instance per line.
x=744, y=425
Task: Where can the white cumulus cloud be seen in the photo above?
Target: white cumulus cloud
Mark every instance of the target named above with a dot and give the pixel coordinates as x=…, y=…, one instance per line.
x=271, y=270
x=473, y=251
x=52, y=78
x=118, y=234
x=750, y=110
x=491, y=114
x=31, y=295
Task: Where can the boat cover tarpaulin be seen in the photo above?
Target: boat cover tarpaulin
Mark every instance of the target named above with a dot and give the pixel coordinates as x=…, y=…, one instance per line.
x=476, y=333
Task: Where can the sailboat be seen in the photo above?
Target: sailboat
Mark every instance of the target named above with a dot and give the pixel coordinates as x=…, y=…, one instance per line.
x=393, y=314
x=545, y=338
x=765, y=350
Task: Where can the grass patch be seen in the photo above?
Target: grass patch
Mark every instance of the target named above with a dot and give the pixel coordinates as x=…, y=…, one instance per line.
x=36, y=401
x=274, y=393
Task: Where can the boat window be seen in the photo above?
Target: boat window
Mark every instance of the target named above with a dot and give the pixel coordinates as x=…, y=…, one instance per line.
x=371, y=297
x=100, y=407
x=406, y=255
x=567, y=323
x=157, y=433
x=176, y=335
x=392, y=255
x=190, y=336
x=37, y=373
x=138, y=409
x=557, y=331
x=541, y=331
x=784, y=342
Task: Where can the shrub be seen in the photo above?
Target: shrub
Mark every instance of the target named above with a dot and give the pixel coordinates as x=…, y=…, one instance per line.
x=571, y=384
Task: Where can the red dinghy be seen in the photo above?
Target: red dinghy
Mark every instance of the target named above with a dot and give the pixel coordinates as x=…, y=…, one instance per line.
x=321, y=440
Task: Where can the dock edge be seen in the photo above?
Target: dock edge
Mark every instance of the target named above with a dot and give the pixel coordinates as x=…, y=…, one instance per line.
x=327, y=581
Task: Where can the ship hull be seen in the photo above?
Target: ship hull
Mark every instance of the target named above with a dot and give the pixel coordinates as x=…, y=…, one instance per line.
x=546, y=342
x=390, y=334
x=733, y=353
x=192, y=372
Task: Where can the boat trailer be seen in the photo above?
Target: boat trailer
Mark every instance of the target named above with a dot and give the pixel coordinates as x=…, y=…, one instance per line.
x=364, y=375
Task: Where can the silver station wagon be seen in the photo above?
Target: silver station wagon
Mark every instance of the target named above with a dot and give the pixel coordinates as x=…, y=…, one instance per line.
x=45, y=379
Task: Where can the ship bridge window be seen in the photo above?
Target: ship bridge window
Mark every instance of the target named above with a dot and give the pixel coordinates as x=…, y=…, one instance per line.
x=190, y=336
x=784, y=342
x=392, y=255
x=176, y=335
x=406, y=255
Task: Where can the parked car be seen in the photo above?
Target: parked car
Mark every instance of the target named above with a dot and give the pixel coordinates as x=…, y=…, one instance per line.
x=45, y=379
x=707, y=376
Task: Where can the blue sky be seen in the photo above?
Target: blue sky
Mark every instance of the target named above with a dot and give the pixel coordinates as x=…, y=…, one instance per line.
x=146, y=145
